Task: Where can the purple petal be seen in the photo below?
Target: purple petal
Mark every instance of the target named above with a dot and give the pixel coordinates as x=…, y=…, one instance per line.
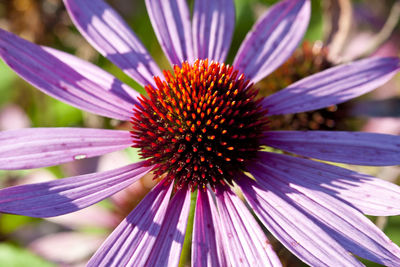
x=171, y=23
x=167, y=248
x=296, y=231
x=358, y=148
x=97, y=75
x=244, y=241
x=273, y=39
x=370, y=195
x=206, y=247
x=133, y=239
x=349, y=227
x=67, y=195
x=59, y=80
x=112, y=37
x=39, y=147
x=213, y=25
x=333, y=86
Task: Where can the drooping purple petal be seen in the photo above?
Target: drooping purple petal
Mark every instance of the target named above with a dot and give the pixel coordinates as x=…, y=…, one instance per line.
x=168, y=246
x=213, y=25
x=67, y=195
x=112, y=37
x=346, y=225
x=39, y=147
x=293, y=228
x=133, y=239
x=358, y=148
x=370, y=195
x=97, y=75
x=273, y=39
x=332, y=86
x=244, y=241
x=206, y=244
x=171, y=23
x=59, y=80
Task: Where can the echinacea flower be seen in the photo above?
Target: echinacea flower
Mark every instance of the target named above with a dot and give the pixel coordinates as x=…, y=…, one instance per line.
x=202, y=127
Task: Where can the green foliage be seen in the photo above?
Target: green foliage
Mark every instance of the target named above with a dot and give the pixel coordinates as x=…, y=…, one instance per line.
x=7, y=77
x=12, y=256
x=10, y=223
x=49, y=112
x=393, y=229
x=133, y=154
x=315, y=28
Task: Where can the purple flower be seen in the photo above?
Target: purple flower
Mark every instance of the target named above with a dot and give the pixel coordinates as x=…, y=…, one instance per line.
x=202, y=127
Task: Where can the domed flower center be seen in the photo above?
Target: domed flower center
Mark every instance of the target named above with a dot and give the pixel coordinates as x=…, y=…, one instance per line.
x=200, y=125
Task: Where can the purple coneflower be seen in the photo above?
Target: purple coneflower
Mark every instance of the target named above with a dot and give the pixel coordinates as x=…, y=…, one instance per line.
x=203, y=128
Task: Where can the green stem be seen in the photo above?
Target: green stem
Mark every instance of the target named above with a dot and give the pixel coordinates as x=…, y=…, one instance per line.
x=187, y=244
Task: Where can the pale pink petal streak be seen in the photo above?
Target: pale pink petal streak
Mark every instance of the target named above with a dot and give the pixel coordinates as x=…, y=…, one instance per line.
x=171, y=23
x=205, y=241
x=370, y=195
x=112, y=37
x=213, y=25
x=244, y=241
x=67, y=248
x=134, y=238
x=273, y=39
x=168, y=246
x=59, y=80
x=348, y=226
x=67, y=195
x=333, y=86
x=358, y=148
x=40, y=147
x=292, y=227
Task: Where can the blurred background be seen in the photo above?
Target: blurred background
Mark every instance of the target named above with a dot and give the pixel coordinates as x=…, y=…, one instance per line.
x=339, y=31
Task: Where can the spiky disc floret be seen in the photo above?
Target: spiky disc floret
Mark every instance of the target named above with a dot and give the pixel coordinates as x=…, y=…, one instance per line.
x=200, y=125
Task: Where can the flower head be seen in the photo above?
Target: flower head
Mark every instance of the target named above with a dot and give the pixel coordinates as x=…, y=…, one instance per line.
x=202, y=126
